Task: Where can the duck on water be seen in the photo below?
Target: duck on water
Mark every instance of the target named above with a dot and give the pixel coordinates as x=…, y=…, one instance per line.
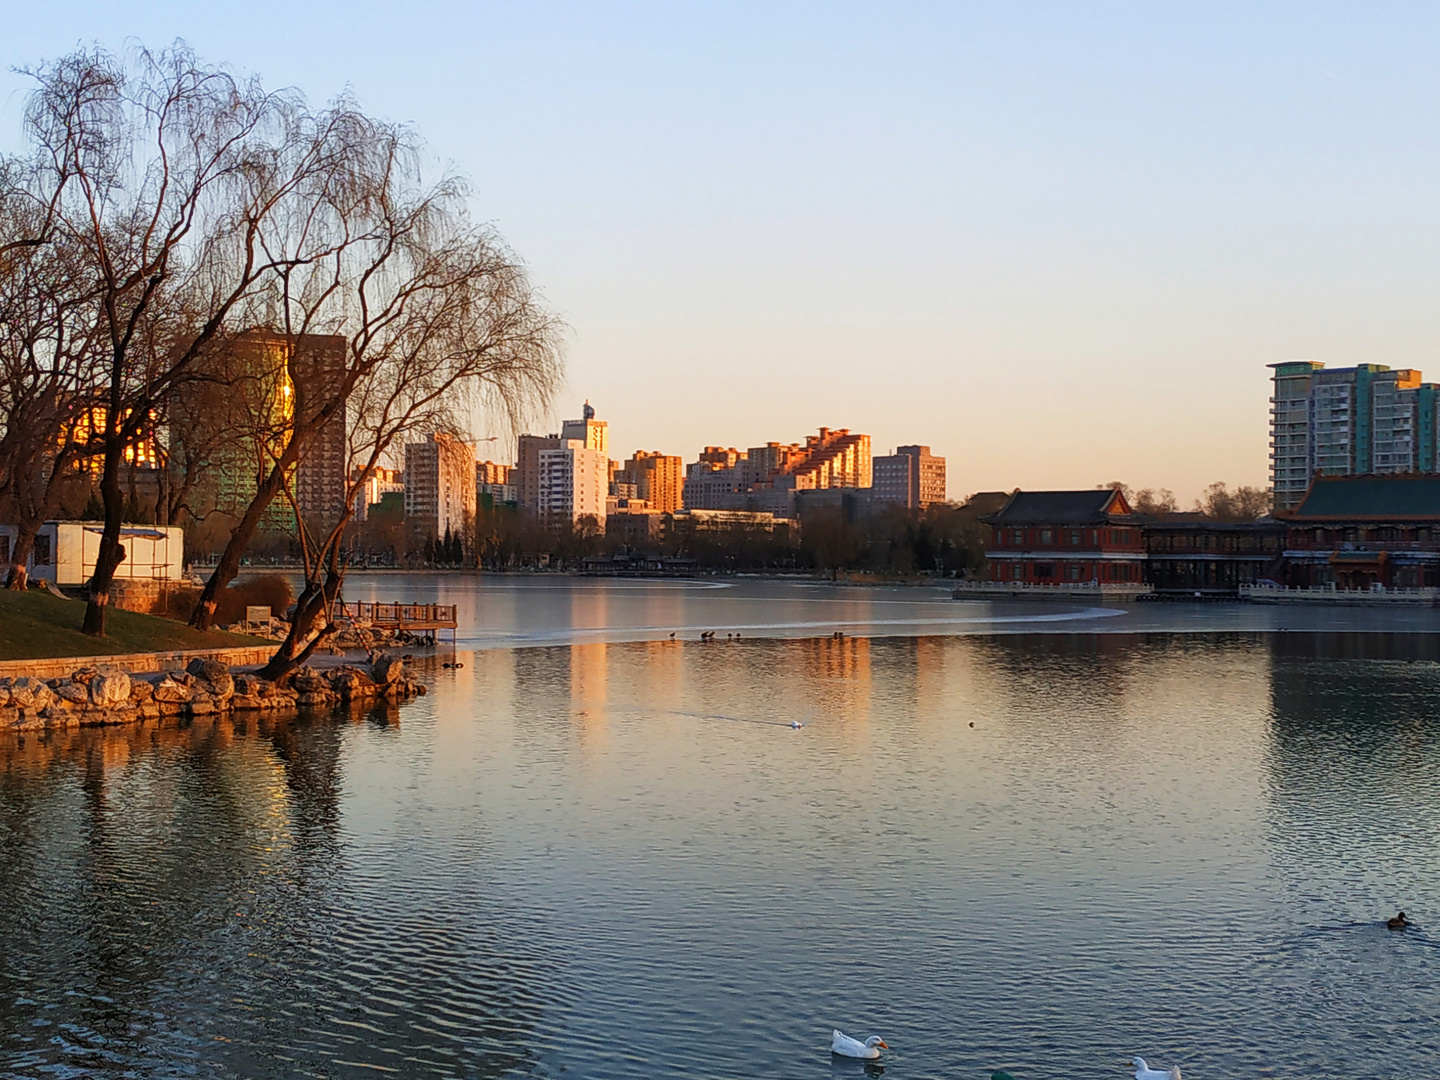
x=842, y=1044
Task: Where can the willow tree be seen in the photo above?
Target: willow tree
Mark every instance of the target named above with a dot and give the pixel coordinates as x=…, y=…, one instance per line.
x=412, y=317
x=46, y=357
x=163, y=174
x=440, y=319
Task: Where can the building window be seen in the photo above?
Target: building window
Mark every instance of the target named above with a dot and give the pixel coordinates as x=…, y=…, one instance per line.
x=1074, y=537
x=42, y=551
x=1074, y=572
x=1045, y=537
x=1044, y=570
x=1017, y=537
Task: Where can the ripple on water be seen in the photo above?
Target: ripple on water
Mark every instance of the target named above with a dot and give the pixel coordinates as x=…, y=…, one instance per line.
x=583, y=861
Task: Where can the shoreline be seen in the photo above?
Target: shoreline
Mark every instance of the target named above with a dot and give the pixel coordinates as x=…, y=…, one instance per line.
x=89, y=697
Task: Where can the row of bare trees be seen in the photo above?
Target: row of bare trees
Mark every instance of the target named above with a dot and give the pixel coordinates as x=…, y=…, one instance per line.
x=177, y=243
x=1244, y=503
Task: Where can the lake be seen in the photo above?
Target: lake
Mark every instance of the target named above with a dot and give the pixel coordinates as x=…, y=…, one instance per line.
x=1042, y=838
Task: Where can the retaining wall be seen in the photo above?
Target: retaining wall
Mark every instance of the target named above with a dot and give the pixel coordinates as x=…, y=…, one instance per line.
x=60, y=667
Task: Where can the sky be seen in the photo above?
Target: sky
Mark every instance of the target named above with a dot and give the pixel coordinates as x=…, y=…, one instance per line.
x=1057, y=242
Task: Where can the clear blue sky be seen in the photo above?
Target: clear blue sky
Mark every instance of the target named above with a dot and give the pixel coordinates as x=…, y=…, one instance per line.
x=1059, y=242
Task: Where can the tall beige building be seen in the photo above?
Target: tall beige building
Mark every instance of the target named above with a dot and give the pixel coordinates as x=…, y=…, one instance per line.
x=592, y=434
x=573, y=482
x=766, y=478
x=912, y=476
x=658, y=479
x=440, y=486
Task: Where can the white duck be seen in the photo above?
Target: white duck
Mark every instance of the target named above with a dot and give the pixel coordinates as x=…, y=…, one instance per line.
x=842, y=1044
x=1144, y=1072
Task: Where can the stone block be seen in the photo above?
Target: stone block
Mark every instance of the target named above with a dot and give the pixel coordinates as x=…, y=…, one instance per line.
x=387, y=669
x=141, y=692
x=110, y=691
x=168, y=691
x=73, y=692
x=28, y=692
x=215, y=675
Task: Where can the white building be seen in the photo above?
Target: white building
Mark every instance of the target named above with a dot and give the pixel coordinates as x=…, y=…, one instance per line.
x=574, y=481
x=65, y=551
x=440, y=486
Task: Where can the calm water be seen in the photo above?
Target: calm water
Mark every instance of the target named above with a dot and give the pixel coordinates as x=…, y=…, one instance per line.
x=614, y=858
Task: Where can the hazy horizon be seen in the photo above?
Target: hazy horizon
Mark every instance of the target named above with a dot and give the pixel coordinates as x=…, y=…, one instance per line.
x=1057, y=244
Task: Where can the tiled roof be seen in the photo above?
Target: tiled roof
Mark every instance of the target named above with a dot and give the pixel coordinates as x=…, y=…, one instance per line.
x=1372, y=498
x=1058, y=508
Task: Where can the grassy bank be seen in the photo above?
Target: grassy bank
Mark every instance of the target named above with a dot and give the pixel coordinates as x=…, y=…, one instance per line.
x=35, y=625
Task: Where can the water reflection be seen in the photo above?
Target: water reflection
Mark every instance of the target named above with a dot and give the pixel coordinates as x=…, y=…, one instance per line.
x=1035, y=852
x=185, y=897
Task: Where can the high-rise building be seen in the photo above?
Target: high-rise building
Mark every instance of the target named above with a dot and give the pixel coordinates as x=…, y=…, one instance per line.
x=374, y=486
x=765, y=478
x=573, y=482
x=657, y=479
x=911, y=476
x=317, y=372
x=439, y=486
x=494, y=480
x=1347, y=422
x=592, y=434
x=277, y=378
x=526, y=476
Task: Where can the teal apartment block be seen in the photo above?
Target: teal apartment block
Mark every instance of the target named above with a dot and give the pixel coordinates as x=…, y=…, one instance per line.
x=1354, y=421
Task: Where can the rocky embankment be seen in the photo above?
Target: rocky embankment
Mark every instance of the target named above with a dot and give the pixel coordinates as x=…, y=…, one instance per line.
x=90, y=696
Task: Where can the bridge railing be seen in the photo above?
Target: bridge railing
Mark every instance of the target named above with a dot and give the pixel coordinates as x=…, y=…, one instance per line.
x=380, y=613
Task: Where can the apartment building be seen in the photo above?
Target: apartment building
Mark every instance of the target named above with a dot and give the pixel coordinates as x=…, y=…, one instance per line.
x=439, y=486
x=766, y=478
x=1361, y=420
x=912, y=476
x=657, y=479
x=573, y=482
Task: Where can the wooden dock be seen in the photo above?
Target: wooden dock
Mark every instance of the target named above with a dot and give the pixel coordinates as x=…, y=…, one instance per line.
x=409, y=617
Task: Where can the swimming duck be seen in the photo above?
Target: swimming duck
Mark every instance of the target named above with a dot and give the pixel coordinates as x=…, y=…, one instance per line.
x=1399, y=922
x=1144, y=1072
x=845, y=1046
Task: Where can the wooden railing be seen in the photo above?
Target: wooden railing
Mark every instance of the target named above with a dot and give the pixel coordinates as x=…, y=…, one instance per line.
x=400, y=616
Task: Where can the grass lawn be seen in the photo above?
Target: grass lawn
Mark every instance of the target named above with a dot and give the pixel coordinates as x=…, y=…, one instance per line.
x=35, y=625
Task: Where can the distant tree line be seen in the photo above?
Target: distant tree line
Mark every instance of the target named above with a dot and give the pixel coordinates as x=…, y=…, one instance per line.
x=895, y=541
x=1218, y=501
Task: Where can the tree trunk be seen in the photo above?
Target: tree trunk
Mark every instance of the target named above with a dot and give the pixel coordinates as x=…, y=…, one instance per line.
x=228, y=568
x=18, y=579
x=111, y=553
x=310, y=626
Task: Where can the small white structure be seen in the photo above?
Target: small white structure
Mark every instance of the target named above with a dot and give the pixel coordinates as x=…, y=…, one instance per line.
x=65, y=551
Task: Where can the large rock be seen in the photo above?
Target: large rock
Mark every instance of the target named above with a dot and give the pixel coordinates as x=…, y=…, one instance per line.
x=388, y=669
x=4, y=693
x=72, y=692
x=168, y=691
x=351, y=682
x=253, y=686
x=28, y=692
x=216, y=676
x=307, y=680
x=141, y=692
x=110, y=691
